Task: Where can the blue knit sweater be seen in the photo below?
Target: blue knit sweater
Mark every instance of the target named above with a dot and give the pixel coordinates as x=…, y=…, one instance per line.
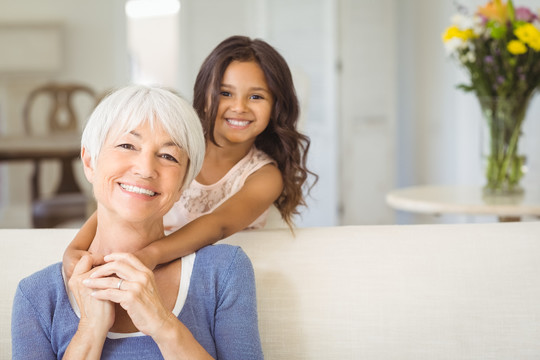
x=220, y=311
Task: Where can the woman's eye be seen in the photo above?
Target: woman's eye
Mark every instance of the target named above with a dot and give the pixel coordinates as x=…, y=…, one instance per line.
x=169, y=157
x=126, y=146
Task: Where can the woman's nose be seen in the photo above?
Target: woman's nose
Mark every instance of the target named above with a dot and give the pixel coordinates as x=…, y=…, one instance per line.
x=145, y=165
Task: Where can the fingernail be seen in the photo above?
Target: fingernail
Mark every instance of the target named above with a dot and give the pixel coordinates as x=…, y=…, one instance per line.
x=86, y=281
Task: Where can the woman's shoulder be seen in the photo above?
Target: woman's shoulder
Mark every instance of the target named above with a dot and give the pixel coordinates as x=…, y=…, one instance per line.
x=222, y=269
x=223, y=252
x=223, y=257
x=47, y=283
x=47, y=277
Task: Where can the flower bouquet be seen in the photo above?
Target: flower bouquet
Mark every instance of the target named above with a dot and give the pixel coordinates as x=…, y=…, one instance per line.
x=499, y=47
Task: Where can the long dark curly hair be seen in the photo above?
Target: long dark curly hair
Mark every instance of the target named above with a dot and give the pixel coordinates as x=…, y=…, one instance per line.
x=280, y=140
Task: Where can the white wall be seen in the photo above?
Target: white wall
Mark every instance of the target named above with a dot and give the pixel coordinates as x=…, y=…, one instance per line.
x=367, y=41
x=305, y=32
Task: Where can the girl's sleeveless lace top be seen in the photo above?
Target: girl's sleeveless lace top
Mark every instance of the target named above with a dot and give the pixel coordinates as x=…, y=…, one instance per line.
x=199, y=199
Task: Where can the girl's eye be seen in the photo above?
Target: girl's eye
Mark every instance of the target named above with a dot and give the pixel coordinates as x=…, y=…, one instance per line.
x=169, y=157
x=225, y=93
x=126, y=146
x=256, y=97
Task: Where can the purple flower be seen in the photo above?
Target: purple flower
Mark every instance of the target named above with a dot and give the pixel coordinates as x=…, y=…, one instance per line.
x=500, y=79
x=524, y=14
x=488, y=59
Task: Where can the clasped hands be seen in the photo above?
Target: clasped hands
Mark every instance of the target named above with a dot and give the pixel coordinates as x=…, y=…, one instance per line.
x=123, y=279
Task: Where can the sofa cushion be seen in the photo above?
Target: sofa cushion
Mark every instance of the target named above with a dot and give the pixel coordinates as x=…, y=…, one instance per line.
x=468, y=291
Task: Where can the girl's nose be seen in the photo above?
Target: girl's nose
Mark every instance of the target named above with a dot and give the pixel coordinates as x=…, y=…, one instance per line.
x=239, y=105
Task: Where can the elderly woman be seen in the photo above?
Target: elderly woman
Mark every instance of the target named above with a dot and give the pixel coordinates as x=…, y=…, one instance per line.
x=140, y=148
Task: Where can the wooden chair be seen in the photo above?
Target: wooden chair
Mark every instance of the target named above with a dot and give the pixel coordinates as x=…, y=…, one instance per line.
x=57, y=109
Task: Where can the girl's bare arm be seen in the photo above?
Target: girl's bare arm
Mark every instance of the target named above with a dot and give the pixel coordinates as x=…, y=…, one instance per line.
x=259, y=192
x=79, y=245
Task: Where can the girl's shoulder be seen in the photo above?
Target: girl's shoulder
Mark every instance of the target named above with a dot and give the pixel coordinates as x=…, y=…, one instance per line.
x=259, y=156
x=253, y=161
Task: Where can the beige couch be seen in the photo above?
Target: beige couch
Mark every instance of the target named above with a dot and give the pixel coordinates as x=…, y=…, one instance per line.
x=366, y=292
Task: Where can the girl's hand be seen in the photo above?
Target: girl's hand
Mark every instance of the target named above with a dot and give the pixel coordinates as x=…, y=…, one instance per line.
x=137, y=293
x=73, y=256
x=97, y=316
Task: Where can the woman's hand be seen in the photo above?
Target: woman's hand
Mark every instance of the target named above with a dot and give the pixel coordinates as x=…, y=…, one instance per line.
x=126, y=281
x=97, y=316
x=136, y=291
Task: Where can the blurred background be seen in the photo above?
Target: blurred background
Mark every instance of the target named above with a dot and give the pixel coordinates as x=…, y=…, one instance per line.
x=377, y=90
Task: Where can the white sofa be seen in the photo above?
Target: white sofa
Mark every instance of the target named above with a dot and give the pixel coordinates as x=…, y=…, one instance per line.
x=365, y=292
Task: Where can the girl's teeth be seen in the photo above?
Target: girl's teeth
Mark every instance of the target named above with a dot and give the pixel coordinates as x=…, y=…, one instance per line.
x=238, y=122
x=137, y=190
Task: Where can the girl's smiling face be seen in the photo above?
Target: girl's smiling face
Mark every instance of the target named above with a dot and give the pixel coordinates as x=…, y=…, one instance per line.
x=138, y=175
x=245, y=104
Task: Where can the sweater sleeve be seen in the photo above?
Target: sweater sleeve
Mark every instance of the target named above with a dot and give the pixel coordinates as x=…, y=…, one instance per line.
x=29, y=338
x=236, y=322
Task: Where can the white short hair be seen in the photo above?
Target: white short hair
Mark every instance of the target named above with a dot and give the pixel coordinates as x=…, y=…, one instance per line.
x=126, y=108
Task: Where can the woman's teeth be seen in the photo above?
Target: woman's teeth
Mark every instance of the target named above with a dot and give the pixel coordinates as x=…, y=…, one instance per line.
x=137, y=190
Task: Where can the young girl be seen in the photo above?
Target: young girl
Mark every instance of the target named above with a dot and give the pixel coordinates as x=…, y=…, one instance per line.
x=255, y=157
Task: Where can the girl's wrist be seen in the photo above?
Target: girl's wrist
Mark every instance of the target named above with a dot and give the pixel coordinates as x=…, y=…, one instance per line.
x=147, y=256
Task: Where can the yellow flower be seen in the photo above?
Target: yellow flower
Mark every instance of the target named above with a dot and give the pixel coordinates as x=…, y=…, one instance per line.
x=535, y=44
x=530, y=35
x=516, y=47
x=455, y=32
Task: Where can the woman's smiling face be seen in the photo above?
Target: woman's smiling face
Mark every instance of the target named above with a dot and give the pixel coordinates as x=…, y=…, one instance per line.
x=138, y=175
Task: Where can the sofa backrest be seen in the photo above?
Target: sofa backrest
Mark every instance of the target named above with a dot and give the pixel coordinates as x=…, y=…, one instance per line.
x=370, y=292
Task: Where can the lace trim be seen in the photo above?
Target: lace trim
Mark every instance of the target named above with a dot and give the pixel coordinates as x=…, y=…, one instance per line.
x=201, y=199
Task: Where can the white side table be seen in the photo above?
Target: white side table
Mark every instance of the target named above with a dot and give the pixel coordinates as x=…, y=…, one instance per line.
x=465, y=200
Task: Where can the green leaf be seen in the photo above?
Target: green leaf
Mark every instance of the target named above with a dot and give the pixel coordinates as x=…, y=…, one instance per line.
x=466, y=88
x=497, y=30
x=511, y=11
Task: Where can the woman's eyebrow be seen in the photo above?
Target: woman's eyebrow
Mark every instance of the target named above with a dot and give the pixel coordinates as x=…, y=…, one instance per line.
x=169, y=143
x=134, y=133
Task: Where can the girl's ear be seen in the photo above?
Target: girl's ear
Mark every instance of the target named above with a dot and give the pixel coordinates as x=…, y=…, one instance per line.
x=87, y=165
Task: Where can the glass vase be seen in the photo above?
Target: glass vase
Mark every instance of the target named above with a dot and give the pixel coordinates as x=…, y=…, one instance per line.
x=504, y=165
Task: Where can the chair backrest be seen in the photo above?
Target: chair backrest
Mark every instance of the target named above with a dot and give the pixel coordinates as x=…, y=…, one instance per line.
x=61, y=112
x=57, y=109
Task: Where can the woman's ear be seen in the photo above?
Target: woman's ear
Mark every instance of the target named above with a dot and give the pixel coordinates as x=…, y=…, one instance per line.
x=87, y=165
